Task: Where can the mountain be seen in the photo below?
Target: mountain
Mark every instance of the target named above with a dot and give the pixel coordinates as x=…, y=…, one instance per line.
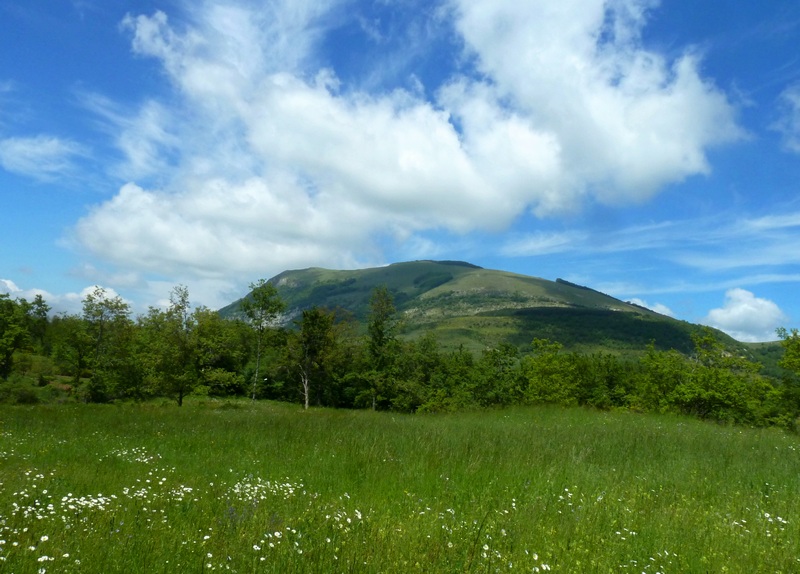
x=463, y=304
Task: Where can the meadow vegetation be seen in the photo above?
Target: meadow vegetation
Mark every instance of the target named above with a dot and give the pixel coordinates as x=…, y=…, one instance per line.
x=243, y=486
x=539, y=461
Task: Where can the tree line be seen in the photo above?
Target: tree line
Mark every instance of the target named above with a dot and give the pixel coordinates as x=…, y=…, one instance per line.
x=105, y=354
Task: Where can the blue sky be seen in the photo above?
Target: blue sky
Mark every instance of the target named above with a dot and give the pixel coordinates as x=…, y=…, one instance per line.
x=648, y=150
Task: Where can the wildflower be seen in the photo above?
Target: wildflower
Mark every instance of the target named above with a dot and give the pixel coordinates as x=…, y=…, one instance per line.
x=44, y=538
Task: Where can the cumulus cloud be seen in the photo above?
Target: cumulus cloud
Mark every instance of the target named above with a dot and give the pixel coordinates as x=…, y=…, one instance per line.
x=70, y=302
x=657, y=307
x=42, y=157
x=8, y=287
x=272, y=162
x=624, y=120
x=746, y=317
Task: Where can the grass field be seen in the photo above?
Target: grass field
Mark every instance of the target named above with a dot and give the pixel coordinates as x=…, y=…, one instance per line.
x=265, y=487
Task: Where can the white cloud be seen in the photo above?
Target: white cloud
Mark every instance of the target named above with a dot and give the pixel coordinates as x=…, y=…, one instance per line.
x=267, y=161
x=70, y=302
x=143, y=136
x=657, y=307
x=625, y=120
x=746, y=317
x=41, y=157
x=541, y=243
x=789, y=122
x=8, y=287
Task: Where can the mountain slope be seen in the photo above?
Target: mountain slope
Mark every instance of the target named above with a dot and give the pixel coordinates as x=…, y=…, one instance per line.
x=463, y=304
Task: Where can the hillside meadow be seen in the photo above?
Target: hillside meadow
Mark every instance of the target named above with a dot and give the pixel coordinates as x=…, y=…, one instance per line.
x=242, y=486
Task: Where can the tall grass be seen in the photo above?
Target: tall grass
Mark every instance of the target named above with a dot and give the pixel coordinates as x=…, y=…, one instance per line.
x=265, y=487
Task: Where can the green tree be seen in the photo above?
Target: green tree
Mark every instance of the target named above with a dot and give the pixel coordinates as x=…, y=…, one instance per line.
x=382, y=329
x=452, y=385
x=219, y=349
x=262, y=307
x=101, y=314
x=790, y=341
x=790, y=389
x=109, y=325
x=13, y=334
x=169, y=344
x=550, y=374
x=311, y=348
x=36, y=313
x=498, y=376
x=718, y=384
x=73, y=345
x=418, y=363
x=663, y=372
x=604, y=380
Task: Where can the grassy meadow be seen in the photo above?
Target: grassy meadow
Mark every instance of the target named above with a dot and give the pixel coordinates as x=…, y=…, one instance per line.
x=265, y=487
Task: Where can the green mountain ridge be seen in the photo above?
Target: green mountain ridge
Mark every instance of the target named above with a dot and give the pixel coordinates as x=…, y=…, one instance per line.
x=466, y=305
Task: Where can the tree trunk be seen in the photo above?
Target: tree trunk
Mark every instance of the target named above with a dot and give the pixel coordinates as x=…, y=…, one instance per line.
x=306, y=382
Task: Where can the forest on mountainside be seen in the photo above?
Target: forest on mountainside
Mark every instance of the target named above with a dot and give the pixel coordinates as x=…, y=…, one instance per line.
x=104, y=354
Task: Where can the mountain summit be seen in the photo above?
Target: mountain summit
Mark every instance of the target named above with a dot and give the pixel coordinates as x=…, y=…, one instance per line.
x=463, y=304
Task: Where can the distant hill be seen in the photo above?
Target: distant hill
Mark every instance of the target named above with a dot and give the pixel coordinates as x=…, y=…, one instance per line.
x=463, y=304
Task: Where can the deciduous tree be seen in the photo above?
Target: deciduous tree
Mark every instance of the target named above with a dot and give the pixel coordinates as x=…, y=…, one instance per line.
x=109, y=325
x=311, y=349
x=262, y=307
x=170, y=346
x=12, y=332
x=382, y=330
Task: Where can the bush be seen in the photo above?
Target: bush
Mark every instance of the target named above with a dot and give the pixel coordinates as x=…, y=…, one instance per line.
x=18, y=390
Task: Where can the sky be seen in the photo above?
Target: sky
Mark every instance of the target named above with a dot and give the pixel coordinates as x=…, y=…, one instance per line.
x=649, y=150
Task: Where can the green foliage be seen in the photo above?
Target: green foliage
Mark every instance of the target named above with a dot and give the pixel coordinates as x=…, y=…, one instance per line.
x=261, y=308
x=663, y=371
x=550, y=375
x=112, y=359
x=177, y=352
x=17, y=390
x=72, y=345
x=170, y=347
x=12, y=332
x=382, y=329
x=311, y=349
x=790, y=341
